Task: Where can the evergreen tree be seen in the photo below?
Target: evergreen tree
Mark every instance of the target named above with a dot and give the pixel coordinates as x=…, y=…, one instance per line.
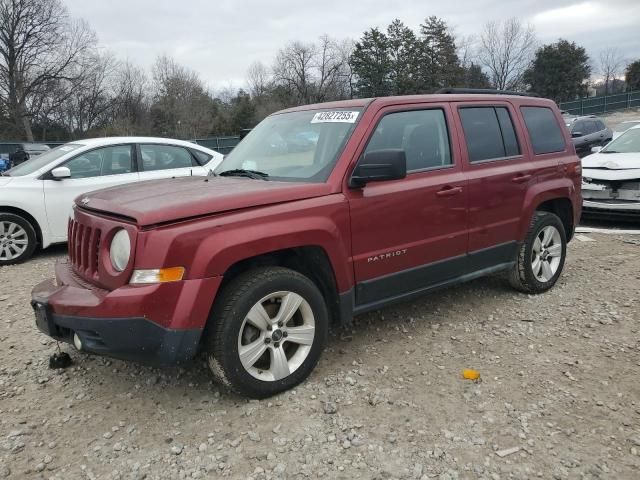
x=474, y=77
x=371, y=64
x=440, y=62
x=632, y=75
x=404, y=65
x=559, y=71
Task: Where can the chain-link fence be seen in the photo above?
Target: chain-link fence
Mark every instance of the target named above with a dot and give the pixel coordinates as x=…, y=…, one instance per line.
x=602, y=104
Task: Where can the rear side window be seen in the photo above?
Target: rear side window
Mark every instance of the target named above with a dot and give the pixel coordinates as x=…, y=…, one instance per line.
x=164, y=157
x=422, y=134
x=489, y=133
x=543, y=128
x=201, y=157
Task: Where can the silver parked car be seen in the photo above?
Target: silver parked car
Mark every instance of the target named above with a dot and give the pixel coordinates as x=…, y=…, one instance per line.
x=588, y=132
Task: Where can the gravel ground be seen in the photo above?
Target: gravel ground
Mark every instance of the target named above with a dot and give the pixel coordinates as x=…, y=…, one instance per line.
x=559, y=395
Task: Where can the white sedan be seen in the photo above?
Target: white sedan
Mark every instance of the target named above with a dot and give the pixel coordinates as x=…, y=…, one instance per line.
x=611, y=178
x=36, y=197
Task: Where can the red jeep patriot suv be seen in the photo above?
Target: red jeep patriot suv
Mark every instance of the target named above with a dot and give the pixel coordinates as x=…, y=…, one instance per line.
x=322, y=212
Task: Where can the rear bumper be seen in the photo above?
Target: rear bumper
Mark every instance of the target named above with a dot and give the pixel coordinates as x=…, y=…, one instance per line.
x=152, y=324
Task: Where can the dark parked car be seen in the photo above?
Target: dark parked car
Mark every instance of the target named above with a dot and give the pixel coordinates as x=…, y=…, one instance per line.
x=18, y=153
x=397, y=196
x=588, y=132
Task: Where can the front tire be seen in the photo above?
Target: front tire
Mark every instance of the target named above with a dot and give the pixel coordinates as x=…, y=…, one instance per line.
x=268, y=329
x=18, y=239
x=541, y=257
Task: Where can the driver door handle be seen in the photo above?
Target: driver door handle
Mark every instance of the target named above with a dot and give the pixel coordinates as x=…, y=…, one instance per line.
x=521, y=178
x=449, y=191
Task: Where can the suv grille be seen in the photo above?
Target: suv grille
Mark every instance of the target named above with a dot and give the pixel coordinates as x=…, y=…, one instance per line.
x=84, y=248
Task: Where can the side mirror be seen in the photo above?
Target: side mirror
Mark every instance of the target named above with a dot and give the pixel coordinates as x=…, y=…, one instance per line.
x=576, y=134
x=378, y=166
x=595, y=149
x=60, y=173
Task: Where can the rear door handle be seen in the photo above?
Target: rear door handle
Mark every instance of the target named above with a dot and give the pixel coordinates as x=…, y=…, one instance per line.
x=449, y=191
x=521, y=178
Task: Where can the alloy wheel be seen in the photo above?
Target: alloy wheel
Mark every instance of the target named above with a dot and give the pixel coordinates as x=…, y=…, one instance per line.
x=276, y=336
x=13, y=240
x=546, y=253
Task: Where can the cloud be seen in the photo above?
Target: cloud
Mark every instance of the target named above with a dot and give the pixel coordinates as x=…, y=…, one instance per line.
x=221, y=39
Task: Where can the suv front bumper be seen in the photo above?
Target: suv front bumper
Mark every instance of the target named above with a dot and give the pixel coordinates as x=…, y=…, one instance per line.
x=157, y=324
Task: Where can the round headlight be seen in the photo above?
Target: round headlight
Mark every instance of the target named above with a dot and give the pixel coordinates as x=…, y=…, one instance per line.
x=120, y=250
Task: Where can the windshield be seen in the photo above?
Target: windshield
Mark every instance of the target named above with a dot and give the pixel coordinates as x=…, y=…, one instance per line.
x=37, y=162
x=628, y=142
x=296, y=146
x=623, y=127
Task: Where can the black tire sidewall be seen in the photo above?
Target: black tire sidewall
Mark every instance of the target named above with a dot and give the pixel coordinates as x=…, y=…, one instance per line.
x=241, y=380
x=31, y=236
x=542, y=221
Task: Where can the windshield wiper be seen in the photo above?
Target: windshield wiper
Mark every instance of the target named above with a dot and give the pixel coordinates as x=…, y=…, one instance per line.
x=608, y=151
x=241, y=172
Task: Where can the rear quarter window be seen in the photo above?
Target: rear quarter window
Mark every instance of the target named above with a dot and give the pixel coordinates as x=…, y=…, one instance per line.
x=544, y=130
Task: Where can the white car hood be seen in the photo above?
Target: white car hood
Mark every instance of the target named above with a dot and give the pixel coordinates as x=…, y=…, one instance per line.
x=4, y=181
x=611, y=166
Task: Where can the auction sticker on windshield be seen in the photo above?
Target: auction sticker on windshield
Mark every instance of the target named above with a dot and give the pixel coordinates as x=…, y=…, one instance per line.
x=335, y=117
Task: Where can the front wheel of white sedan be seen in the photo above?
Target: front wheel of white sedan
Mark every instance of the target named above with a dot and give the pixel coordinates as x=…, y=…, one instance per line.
x=18, y=239
x=267, y=331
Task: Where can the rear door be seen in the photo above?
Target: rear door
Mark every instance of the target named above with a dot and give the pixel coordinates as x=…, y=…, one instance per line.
x=92, y=170
x=157, y=161
x=410, y=234
x=499, y=172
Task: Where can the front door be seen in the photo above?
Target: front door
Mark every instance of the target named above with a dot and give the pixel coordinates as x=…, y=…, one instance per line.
x=410, y=234
x=99, y=168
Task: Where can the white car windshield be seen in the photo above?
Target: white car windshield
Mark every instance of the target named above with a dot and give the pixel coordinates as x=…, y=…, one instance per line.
x=37, y=162
x=624, y=126
x=297, y=146
x=628, y=142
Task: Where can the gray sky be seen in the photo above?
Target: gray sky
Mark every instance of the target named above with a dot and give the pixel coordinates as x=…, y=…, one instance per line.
x=220, y=39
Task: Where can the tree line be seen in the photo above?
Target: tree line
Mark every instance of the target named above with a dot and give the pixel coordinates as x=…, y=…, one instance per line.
x=56, y=83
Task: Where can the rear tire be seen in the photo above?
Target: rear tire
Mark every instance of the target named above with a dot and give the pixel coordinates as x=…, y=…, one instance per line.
x=267, y=331
x=541, y=257
x=18, y=239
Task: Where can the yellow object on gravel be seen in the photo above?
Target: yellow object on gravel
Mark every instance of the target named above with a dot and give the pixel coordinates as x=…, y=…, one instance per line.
x=469, y=374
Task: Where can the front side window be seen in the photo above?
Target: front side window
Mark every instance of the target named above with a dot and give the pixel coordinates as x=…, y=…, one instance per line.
x=544, y=131
x=104, y=161
x=296, y=146
x=422, y=134
x=164, y=157
x=489, y=133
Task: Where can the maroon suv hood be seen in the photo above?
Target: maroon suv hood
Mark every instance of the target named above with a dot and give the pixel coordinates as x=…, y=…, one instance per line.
x=160, y=201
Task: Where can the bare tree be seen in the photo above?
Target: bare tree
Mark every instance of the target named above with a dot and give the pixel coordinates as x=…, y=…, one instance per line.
x=611, y=66
x=39, y=44
x=506, y=50
x=182, y=105
x=258, y=79
x=293, y=69
x=131, y=106
x=466, y=49
x=330, y=65
x=314, y=72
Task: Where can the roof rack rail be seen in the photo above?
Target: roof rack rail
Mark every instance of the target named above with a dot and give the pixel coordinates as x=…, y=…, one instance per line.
x=491, y=91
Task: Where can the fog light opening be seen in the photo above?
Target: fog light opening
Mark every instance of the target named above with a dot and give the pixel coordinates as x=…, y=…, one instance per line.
x=77, y=342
